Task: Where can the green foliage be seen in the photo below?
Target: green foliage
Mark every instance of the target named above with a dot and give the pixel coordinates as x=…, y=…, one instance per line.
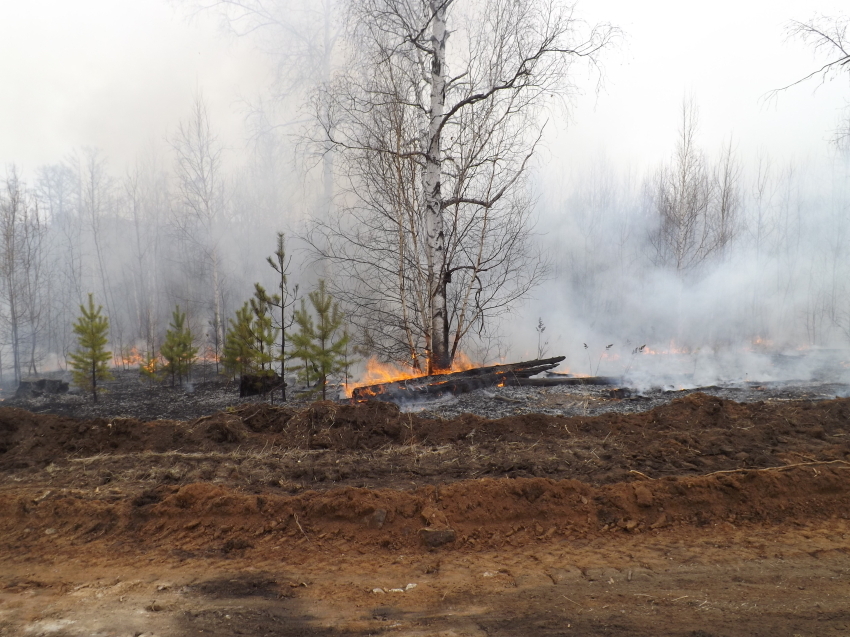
x=302, y=344
x=249, y=347
x=90, y=363
x=263, y=333
x=321, y=342
x=238, y=352
x=178, y=350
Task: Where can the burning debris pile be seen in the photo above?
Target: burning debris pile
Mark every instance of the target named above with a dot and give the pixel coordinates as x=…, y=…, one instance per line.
x=456, y=382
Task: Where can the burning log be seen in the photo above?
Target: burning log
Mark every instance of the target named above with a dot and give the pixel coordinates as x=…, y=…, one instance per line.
x=455, y=382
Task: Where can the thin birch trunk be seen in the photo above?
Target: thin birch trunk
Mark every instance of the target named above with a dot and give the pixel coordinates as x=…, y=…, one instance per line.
x=439, y=358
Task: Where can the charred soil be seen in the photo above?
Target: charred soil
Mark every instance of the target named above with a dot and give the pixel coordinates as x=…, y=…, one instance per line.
x=702, y=516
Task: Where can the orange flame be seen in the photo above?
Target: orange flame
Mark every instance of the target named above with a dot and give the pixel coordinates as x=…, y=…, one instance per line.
x=209, y=355
x=151, y=366
x=132, y=357
x=760, y=344
x=380, y=373
x=671, y=349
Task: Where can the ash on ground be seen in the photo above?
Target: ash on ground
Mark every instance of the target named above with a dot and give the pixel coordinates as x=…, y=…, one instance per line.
x=592, y=400
x=127, y=395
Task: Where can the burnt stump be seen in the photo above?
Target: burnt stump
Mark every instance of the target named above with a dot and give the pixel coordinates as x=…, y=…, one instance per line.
x=259, y=384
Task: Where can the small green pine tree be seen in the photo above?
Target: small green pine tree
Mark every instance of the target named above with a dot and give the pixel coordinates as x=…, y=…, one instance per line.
x=301, y=343
x=319, y=343
x=90, y=362
x=238, y=353
x=283, y=300
x=249, y=346
x=178, y=350
x=264, y=335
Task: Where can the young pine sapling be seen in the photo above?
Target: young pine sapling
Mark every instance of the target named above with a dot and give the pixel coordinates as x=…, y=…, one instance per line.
x=282, y=300
x=178, y=350
x=90, y=363
x=322, y=344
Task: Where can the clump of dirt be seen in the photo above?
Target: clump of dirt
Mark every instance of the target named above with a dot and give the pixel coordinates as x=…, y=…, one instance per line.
x=331, y=425
x=36, y=440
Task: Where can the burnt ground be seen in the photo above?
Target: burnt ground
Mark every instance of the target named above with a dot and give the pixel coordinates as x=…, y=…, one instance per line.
x=129, y=396
x=683, y=513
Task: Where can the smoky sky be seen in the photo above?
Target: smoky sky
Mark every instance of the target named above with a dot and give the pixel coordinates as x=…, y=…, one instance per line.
x=114, y=75
x=117, y=75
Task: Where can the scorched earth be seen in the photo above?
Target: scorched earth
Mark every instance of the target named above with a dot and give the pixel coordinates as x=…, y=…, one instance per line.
x=684, y=514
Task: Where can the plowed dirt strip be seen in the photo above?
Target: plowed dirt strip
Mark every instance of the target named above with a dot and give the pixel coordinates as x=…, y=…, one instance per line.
x=482, y=513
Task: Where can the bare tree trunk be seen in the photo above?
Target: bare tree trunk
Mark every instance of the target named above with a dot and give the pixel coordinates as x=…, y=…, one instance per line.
x=440, y=359
x=728, y=204
x=11, y=209
x=16, y=354
x=217, y=322
x=201, y=215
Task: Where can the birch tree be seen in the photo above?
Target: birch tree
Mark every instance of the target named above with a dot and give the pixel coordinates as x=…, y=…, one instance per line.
x=35, y=280
x=146, y=202
x=436, y=135
x=97, y=207
x=57, y=189
x=23, y=273
x=12, y=210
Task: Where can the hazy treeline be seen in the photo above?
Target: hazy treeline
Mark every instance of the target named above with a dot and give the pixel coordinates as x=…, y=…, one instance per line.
x=190, y=225
x=705, y=251
x=711, y=249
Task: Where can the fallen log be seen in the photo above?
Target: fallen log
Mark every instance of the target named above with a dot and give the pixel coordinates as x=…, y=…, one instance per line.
x=555, y=381
x=454, y=382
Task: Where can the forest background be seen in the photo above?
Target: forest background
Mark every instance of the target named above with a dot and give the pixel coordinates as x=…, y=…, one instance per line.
x=102, y=152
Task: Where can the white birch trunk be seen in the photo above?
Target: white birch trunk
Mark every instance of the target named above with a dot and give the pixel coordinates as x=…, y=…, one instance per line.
x=439, y=358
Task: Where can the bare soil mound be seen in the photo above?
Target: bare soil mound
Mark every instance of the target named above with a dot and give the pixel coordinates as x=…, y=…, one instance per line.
x=208, y=519
x=327, y=444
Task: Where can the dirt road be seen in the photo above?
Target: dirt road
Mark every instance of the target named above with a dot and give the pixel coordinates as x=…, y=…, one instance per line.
x=702, y=517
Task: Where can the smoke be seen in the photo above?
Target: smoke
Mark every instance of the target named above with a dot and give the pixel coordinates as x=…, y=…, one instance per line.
x=772, y=305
